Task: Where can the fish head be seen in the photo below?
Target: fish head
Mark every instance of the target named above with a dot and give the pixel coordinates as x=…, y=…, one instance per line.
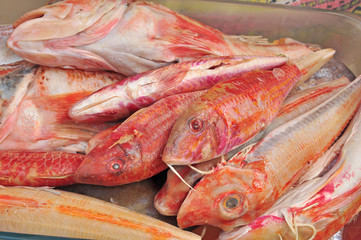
x=111, y=162
x=222, y=199
x=52, y=42
x=196, y=136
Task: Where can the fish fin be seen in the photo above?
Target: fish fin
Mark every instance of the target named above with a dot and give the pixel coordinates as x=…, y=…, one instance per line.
x=168, y=78
x=200, y=171
x=59, y=104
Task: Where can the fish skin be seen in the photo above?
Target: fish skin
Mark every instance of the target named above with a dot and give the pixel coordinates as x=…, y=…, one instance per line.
x=110, y=39
x=269, y=170
x=170, y=197
x=6, y=54
x=136, y=146
x=52, y=212
x=51, y=169
x=121, y=99
x=230, y=113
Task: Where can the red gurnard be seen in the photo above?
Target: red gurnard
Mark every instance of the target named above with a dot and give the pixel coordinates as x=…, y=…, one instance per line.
x=129, y=37
x=45, y=211
x=133, y=151
x=248, y=185
x=35, y=169
x=171, y=196
x=35, y=101
x=121, y=99
x=233, y=111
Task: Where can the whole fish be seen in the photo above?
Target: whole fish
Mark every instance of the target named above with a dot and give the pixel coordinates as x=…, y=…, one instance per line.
x=121, y=99
x=59, y=213
x=133, y=151
x=246, y=187
x=171, y=196
x=51, y=169
x=319, y=207
x=126, y=36
x=233, y=111
x=34, y=104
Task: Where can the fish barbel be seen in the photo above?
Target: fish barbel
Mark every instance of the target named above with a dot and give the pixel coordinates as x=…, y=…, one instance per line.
x=243, y=189
x=319, y=207
x=121, y=99
x=129, y=37
x=233, y=111
x=45, y=211
x=35, y=101
x=174, y=191
x=133, y=151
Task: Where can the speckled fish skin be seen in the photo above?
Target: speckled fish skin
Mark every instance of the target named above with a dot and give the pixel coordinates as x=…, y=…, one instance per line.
x=132, y=152
x=45, y=211
x=326, y=202
x=230, y=113
x=129, y=37
x=246, y=187
x=172, y=194
x=6, y=54
x=122, y=99
x=51, y=169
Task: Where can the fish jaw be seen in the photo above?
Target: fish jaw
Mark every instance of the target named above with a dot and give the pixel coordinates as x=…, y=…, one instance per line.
x=196, y=145
x=90, y=22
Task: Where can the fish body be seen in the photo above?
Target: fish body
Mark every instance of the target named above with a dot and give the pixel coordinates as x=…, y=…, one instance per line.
x=35, y=101
x=121, y=99
x=133, y=151
x=171, y=196
x=51, y=169
x=45, y=211
x=129, y=37
x=229, y=114
x=319, y=207
x=247, y=186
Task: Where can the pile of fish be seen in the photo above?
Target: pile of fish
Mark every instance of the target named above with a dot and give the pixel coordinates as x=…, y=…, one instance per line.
x=257, y=140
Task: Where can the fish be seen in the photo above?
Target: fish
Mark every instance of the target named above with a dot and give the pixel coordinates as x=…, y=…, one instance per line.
x=320, y=206
x=35, y=169
x=133, y=151
x=233, y=111
x=246, y=187
x=54, y=212
x=171, y=196
x=34, y=104
x=126, y=36
x=119, y=100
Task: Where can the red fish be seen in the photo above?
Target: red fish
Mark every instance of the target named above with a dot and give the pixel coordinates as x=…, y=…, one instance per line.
x=233, y=111
x=133, y=151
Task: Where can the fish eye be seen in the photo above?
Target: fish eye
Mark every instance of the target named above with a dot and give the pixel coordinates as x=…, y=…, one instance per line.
x=115, y=166
x=196, y=124
x=232, y=202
